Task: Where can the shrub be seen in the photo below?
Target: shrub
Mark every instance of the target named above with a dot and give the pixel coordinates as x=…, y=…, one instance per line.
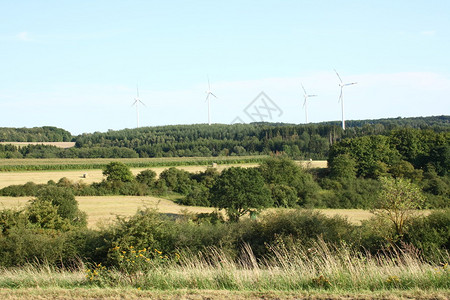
x=10, y=218
x=146, y=229
x=343, y=166
x=283, y=195
x=176, y=180
x=198, y=196
x=431, y=233
x=295, y=227
x=398, y=202
x=25, y=245
x=285, y=171
x=147, y=177
x=62, y=198
x=117, y=171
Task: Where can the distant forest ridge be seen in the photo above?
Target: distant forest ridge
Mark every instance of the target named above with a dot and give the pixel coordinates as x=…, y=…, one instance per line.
x=54, y=134
x=296, y=140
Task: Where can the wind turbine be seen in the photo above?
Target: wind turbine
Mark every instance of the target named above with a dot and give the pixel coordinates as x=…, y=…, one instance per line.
x=341, y=96
x=209, y=93
x=136, y=102
x=305, y=104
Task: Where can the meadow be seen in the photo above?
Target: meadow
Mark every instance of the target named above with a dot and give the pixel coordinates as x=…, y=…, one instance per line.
x=92, y=175
x=14, y=171
x=103, y=209
x=319, y=271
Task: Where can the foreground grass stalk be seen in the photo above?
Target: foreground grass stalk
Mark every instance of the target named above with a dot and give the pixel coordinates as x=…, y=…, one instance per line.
x=321, y=268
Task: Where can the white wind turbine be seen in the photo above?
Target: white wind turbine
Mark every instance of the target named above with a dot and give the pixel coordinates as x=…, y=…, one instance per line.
x=341, y=96
x=136, y=102
x=209, y=93
x=305, y=104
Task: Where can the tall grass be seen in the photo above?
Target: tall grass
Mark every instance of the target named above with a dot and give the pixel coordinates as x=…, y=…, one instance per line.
x=319, y=268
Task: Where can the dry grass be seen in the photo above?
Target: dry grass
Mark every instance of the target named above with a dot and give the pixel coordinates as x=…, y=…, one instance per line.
x=328, y=272
x=103, y=161
x=11, y=178
x=39, y=177
x=195, y=294
x=64, y=145
x=103, y=209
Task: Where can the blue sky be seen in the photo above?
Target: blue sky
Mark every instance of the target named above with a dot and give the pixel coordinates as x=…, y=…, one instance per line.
x=75, y=64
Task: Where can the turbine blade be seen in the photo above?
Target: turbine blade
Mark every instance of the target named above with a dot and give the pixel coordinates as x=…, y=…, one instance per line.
x=340, y=96
x=142, y=103
x=213, y=95
x=338, y=76
x=303, y=89
x=304, y=103
x=137, y=90
x=351, y=83
x=312, y=95
x=207, y=96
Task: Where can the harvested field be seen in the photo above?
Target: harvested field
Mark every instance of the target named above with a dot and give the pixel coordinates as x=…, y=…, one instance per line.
x=103, y=209
x=95, y=175
x=64, y=145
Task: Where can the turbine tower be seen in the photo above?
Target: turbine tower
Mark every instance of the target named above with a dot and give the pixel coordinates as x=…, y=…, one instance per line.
x=341, y=96
x=305, y=104
x=136, y=102
x=209, y=93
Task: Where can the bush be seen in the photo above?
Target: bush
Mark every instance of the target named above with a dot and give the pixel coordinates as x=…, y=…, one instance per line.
x=10, y=218
x=431, y=233
x=285, y=171
x=343, y=167
x=146, y=229
x=283, y=195
x=147, y=177
x=295, y=227
x=62, y=198
x=117, y=171
x=198, y=196
x=24, y=245
x=176, y=180
x=350, y=193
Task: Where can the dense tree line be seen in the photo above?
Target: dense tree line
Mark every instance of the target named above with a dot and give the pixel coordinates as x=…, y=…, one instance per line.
x=36, y=134
x=297, y=141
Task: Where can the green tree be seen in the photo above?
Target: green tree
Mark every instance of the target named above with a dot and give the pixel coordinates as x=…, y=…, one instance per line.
x=240, y=191
x=118, y=172
x=147, y=177
x=343, y=166
x=176, y=180
x=284, y=171
x=398, y=202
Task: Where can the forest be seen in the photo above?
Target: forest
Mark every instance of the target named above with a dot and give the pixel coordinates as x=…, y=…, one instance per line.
x=311, y=141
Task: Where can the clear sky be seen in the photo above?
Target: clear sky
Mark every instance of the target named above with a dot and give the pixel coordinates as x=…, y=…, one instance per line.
x=76, y=64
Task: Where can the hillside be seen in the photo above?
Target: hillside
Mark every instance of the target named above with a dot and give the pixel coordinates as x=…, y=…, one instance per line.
x=302, y=141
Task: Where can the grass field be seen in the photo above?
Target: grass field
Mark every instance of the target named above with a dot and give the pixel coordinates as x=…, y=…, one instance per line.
x=10, y=178
x=58, y=164
x=95, y=175
x=331, y=273
x=64, y=145
x=103, y=209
